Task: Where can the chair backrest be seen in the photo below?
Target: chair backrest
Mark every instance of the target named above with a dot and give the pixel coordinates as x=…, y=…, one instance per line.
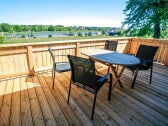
x=111, y=45
x=51, y=53
x=82, y=71
x=146, y=52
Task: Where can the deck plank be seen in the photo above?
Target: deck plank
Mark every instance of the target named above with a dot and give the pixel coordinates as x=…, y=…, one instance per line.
x=68, y=112
x=26, y=115
x=56, y=110
x=36, y=111
x=15, y=104
x=6, y=105
x=44, y=106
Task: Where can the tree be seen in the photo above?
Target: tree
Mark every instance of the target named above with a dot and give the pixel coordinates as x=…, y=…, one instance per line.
x=51, y=28
x=17, y=28
x=5, y=27
x=146, y=17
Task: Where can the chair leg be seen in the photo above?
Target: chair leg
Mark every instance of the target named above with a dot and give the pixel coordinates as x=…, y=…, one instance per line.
x=52, y=73
x=94, y=105
x=110, y=87
x=69, y=92
x=151, y=75
x=53, y=80
x=133, y=82
x=108, y=69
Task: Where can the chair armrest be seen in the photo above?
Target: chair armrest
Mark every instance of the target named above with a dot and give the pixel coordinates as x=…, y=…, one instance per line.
x=146, y=61
x=103, y=78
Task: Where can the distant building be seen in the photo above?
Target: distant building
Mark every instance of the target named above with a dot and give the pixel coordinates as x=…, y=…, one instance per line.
x=115, y=31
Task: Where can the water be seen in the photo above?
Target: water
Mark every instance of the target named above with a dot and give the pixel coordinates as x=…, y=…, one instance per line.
x=45, y=34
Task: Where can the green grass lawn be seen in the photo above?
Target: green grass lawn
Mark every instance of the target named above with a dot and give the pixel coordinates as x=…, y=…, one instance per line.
x=32, y=40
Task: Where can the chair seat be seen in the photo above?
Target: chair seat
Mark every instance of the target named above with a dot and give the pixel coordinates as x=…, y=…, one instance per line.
x=132, y=67
x=141, y=66
x=88, y=86
x=62, y=67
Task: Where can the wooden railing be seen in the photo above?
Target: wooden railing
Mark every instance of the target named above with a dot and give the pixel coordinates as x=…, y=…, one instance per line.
x=19, y=59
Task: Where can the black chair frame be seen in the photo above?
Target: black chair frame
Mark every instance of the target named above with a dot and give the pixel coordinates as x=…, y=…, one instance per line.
x=83, y=75
x=146, y=55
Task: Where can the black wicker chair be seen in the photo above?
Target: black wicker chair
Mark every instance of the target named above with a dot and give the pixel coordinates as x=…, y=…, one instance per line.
x=111, y=45
x=83, y=75
x=58, y=66
x=146, y=55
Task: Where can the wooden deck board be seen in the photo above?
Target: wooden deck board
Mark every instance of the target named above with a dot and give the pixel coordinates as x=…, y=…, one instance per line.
x=32, y=101
x=26, y=114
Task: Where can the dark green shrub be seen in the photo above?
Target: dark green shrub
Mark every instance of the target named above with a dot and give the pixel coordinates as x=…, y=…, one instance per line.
x=71, y=33
x=90, y=34
x=2, y=39
x=23, y=36
x=31, y=34
x=103, y=32
x=79, y=34
x=50, y=36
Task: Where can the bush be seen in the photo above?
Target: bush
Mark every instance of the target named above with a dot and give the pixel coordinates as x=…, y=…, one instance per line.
x=90, y=34
x=50, y=36
x=2, y=39
x=79, y=34
x=103, y=32
x=71, y=33
x=31, y=34
x=23, y=36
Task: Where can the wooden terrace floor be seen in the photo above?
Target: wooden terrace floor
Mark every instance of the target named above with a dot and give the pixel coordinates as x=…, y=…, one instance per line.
x=28, y=101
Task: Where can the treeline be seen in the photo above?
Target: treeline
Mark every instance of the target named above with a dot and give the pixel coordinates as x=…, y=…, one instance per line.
x=5, y=27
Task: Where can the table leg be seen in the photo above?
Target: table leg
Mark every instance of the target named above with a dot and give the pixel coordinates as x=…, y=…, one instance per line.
x=116, y=76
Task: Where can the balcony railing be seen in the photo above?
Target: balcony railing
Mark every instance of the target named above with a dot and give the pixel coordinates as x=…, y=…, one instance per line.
x=18, y=59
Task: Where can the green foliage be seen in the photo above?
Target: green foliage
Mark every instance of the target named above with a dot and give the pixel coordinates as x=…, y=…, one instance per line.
x=146, y=17
x=121, y=33
x=2, y=39
x=34, y=28
x=71, y=33
x=31, y=34
x=79, y=34
x=51, y=28
x=103, y=32
x=5, y=27
x=90, y=34
x=17, y=28
x=50, y=36
x=23, y=36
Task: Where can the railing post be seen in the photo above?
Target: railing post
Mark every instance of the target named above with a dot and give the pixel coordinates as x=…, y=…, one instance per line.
x=166, y=55
x=30, y=61
x=77, y=50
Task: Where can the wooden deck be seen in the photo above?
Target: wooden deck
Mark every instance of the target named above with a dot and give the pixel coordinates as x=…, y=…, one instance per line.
x=29, y=101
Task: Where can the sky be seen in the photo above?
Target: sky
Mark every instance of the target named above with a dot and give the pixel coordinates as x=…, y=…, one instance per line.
x=100, y=13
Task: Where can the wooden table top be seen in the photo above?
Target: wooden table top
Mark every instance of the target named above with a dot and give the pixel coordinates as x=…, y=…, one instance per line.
x=111, y=57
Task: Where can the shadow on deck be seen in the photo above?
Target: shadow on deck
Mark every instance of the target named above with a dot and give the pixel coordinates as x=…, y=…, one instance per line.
x=31, y=101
